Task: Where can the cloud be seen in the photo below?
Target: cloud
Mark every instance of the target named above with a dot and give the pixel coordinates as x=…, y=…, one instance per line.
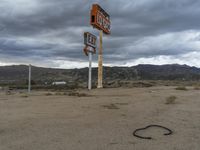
x=50, y=32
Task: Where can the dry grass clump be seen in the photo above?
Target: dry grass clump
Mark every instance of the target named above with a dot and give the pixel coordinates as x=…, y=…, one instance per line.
x=9, y=92
x=24, y=95
x=111, y=106
x=72, y=93
x=48, y=94
x=78, y=94
x=60, y=93
x=196, y=87
x=171, y=100
x=181, y=88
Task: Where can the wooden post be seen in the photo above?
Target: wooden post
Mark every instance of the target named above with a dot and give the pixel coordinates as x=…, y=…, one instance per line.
x=100, y=61
x=29, y=79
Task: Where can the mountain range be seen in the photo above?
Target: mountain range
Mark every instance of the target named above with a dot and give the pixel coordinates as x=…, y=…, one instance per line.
x=18, y=74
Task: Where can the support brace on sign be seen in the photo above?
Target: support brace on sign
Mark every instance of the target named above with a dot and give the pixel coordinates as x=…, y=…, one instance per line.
x=86, y=50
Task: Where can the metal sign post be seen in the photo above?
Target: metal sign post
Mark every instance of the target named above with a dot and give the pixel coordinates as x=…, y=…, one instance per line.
x=89, y=50
x=29, y=79
x=90, y=72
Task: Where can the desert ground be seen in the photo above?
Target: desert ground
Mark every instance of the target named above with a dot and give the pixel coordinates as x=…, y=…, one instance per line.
x=102, y=119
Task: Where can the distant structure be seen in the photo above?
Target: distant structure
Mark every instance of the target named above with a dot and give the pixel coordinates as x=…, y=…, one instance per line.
x=59, y=83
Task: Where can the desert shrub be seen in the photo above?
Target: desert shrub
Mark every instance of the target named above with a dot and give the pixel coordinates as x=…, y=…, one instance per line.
x=181, y=88
x=24, y=95
x=142, y=84
x=110, y=106
x=78, y=94
x=64, y=93
x=9, y=92
x=196, y=87
x=11, y=87
x=32, y=82
x=48, y=94
x=60, y=93
x=170, y=100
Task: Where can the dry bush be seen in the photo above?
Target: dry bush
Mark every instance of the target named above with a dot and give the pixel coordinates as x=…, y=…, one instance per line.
x=48, y=94
x=142, y=84
x=121, y=103
x=64, y=93
x=24, y=95
x=9, y=92
x=78, y=94
x=196, y=87
x=181, y=88
x=171, y=100
x=60, y=93
x=111, y=106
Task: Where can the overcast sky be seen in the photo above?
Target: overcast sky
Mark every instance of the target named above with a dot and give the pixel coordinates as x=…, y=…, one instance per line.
x=49, y=33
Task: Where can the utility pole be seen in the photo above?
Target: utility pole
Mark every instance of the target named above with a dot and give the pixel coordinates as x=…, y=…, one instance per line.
x=29, y=79
x=100, y=61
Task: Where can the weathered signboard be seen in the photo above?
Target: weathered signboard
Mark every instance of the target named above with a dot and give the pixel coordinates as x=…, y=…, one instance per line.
x=100, y=19
x=90, y=39
x=90, y=43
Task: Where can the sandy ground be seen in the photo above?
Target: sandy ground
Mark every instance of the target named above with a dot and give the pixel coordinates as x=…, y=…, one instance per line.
x=103, y=121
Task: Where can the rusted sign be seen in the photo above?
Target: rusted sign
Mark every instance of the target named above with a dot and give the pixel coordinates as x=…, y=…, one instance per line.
x=90, y=43
x=100, y=19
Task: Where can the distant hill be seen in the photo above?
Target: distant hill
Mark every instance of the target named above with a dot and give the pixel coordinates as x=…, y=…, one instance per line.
x=168, y=72
x=19, y=74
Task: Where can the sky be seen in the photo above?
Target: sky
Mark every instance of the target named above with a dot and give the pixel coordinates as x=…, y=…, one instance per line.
x=49, y=33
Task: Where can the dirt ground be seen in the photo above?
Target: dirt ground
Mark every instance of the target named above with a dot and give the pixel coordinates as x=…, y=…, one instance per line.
x=104, y=120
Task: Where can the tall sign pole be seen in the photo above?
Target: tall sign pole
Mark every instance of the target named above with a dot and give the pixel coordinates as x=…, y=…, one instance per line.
x=29, y=79
x=90, y=72
x=100, y=61
x=89, y=50
x=100, y=19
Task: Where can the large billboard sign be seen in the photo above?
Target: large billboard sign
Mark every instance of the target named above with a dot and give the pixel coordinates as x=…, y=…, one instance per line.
x=100, y=19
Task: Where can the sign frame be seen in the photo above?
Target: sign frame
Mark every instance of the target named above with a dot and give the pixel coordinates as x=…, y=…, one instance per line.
x=100, y=19
x=90, y=43
x=90, y=39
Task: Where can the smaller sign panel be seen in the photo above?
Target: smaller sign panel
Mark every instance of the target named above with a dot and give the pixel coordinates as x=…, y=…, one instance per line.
x=90, y=43
x=100, y=19
x=90, y=39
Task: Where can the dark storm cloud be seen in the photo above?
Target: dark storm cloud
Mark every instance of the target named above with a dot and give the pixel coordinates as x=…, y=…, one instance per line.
x=47, y=16
x=22, y=48
x=164, y=15
x=54, y=28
